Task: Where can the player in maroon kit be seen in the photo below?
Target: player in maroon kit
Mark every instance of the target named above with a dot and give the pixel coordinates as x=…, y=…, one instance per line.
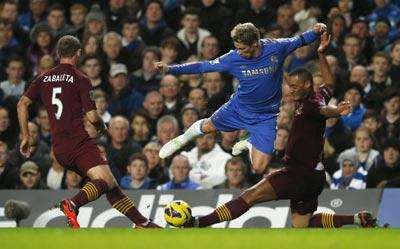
x=66, y=95
x=302, y=179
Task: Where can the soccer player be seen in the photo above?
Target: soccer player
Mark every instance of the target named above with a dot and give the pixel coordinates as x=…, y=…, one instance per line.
x=257, y=64
x=66, y=95
x=301, y=180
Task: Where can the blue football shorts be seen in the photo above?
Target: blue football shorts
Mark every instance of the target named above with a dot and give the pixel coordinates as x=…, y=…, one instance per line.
x=262, y=126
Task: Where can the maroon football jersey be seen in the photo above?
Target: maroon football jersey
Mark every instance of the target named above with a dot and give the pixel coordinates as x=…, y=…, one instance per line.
x=306, y=139
x=66, y=94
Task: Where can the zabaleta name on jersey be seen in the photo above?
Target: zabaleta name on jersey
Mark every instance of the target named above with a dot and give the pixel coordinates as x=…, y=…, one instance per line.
x=58, y=78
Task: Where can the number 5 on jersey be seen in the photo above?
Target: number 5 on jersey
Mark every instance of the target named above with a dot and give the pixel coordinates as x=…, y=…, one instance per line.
x=56, y=101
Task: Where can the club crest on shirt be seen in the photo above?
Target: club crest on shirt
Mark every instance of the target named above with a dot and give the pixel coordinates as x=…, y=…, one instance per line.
x=274, y=59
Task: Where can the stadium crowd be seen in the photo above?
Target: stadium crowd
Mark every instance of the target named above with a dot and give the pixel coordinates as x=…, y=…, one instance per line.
x=144, y=109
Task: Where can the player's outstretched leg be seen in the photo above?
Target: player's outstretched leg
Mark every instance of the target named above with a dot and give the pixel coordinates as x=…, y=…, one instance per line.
x=177, y=143
x=90, y=192
x=124, y=205
x=260, y=192
x=325, y=220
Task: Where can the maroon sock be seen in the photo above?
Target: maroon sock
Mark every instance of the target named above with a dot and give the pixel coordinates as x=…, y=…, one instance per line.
x=123, y=204
x=90, y=192
x=331, y=220
x=229, y=211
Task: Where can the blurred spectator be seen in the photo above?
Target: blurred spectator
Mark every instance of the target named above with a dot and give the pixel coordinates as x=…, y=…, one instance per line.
x=190, y=81
x=8, y=172
x=257, y=13
x=42, y=43
x=189, y=115
x=282, y=135
x=351, y=56
x=57, y=21
x=180, y=168
x=40, y=151
x=147, y=78
x=30, y=177
x=169, y=50
x=198, y=98
x=214, y=85
x=56, y=173
x=43, y=122
x=360, y=28
x=380, y=38
x=169, y=89
x=167, y=129
x=154, y=106
x=384, y=8
x=78, y=12
x=112, y=48
x=115, y=13
x=362, y=150
x=36, y=14
x=228, y=140
x=137, y=177
x=122, y=100
x=191, y=35
x=395, y=66
x=285, y=19
x=46, y=63
x=349, y=176
x=235, y=172
x=140, y=128
x=299, y=58
x=91, y=65
x=372, y=96
x=132, y=43
x=209, y=48
x=390, y=118
x=95, y=23
x=380, y=71
x=153, y=26
x=73, y=181
x=372, y=122
x=158, y=171
x=275, y=31
x=120, y=147
x=337, y=28
x=101, y=105
x=15, y=84
x=7, y=133
x=212, y=12
x=386, y=174
x=92, y=45
x=354, y=94
x=207, y=160
x=304, y=16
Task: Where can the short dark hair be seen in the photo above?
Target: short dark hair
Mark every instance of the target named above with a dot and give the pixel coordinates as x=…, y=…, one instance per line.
x=67, y=46
x=138, y=156
x=130, y=20
x=192, y=11
x=15, y=57
x=152, y=49
x=245, y=33
x=370, y=114
x=352, y=35
x=171, y=42
x=57, y=7
x=303, y=74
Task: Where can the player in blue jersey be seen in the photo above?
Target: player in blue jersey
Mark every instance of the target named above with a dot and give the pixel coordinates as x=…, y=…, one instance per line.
x=257, y=64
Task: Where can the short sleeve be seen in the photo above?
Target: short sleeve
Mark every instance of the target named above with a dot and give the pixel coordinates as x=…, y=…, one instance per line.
x=33, y=91
x=86, y=94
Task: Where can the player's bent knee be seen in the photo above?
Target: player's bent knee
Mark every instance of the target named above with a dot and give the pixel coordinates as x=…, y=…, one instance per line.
x=208, y=126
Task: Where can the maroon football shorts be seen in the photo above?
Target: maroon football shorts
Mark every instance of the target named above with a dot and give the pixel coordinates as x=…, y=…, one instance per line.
x=301, y=187
x=80, y=158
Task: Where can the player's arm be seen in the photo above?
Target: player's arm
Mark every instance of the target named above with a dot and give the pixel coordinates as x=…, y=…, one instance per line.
x=220, y=64
x=331, y=111
x=308, y=37
x=22, y=109
x=97, y=122
x=327, y=76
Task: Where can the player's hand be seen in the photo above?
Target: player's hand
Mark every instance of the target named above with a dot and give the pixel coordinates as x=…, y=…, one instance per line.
x=319, y=28
x=344, y=108
x=324, y=43
x=25, y=147
x=161, y=66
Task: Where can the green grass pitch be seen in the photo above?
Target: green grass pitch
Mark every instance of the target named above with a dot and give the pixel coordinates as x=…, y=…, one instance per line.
x=199, y=238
